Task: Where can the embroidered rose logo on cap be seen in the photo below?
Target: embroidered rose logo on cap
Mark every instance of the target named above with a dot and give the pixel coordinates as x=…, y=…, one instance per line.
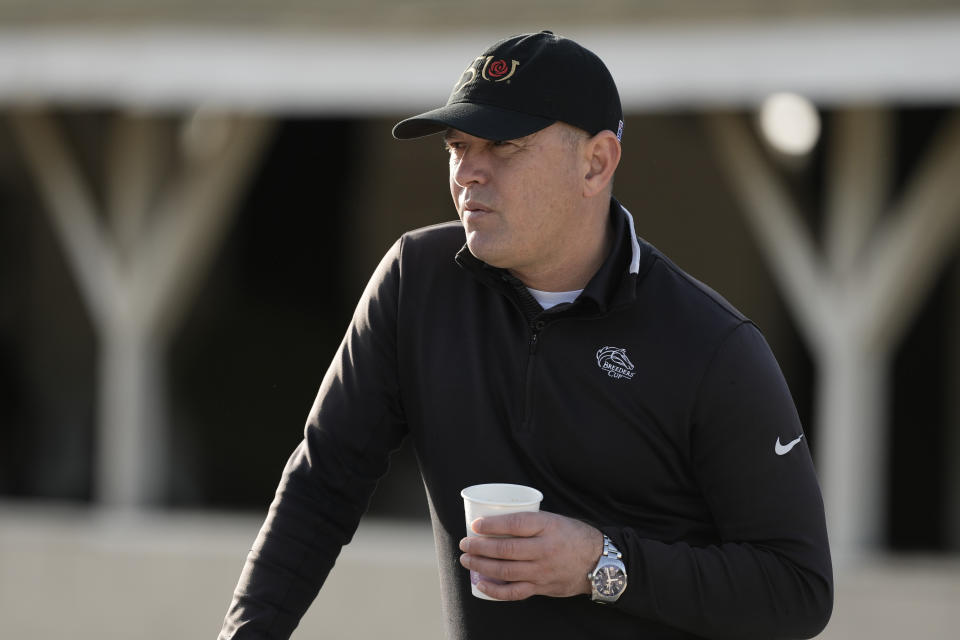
x=498, y=69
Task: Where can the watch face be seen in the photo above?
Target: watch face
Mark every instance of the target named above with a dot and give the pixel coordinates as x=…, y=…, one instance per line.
x=609, y=581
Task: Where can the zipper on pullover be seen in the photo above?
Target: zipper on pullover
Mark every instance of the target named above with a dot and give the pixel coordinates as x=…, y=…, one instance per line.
x=535, y=328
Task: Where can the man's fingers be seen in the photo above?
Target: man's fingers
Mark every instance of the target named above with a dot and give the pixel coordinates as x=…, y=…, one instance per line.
x=505, y=570
x=501, y=548
x=512, y=591
x=524, y=524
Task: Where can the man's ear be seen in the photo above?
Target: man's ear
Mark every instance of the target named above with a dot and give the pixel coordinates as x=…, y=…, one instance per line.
x=602, y=153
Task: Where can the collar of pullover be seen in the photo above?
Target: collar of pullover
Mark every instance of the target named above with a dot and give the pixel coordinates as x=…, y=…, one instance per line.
x=612, y=284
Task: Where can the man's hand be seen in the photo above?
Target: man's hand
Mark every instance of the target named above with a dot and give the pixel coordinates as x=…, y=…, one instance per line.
x=544, y=554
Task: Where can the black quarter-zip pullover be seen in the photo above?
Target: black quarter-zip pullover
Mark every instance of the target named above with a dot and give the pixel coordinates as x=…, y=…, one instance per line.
x=649, y=407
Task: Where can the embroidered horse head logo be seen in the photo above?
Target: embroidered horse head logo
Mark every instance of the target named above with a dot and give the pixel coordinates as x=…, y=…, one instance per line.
x=614, y=362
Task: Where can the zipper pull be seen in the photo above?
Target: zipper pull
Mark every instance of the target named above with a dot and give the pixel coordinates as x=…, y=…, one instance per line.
x=535, y=329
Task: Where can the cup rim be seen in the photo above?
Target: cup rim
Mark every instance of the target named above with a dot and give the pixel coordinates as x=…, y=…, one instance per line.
x=520, y=503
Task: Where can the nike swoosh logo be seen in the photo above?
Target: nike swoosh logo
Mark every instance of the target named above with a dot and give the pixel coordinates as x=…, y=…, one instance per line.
x=782, y=449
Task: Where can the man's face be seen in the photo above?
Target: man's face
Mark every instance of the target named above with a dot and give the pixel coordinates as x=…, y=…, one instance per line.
x=518, y=199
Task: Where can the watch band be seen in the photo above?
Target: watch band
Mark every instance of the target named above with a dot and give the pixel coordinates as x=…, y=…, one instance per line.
x=608, y=580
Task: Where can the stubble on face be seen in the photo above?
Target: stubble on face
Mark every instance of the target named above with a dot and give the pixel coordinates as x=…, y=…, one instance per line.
x=517, y=198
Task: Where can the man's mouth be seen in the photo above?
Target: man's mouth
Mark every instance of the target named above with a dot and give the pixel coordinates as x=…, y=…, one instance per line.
x=475, y=206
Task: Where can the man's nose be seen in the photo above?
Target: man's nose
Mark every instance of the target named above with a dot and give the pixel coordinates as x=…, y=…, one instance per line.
x=470, y=168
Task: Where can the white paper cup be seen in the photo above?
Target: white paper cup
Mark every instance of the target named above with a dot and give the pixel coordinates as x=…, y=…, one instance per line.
x=493, y=500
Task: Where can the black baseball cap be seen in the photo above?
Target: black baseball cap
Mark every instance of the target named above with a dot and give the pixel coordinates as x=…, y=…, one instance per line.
x=523, y=84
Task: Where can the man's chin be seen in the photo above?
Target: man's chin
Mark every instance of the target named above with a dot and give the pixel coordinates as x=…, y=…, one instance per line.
x=482, y=251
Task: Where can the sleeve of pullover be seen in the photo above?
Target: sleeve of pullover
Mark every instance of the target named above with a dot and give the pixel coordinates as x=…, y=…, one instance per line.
x=770, y=575
x=354, y=425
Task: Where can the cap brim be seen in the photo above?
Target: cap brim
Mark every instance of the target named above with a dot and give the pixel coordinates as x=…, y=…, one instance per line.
x=481, y=120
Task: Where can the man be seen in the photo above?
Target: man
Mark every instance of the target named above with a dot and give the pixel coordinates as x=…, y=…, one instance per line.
x=560, y=351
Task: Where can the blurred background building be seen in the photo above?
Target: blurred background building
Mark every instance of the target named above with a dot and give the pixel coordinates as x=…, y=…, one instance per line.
x=192, y=196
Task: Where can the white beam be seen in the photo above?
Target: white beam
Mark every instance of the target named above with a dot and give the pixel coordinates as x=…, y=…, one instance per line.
x=192, y=218
x=782, y=236
x=137, y=288
x=859, y=164
x=73, y=211
x=852, y=311
x=134, y=159
x=913, y=241
x=836, y=60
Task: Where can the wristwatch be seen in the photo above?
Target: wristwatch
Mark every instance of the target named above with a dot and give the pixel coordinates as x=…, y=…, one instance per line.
x=609, y=577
